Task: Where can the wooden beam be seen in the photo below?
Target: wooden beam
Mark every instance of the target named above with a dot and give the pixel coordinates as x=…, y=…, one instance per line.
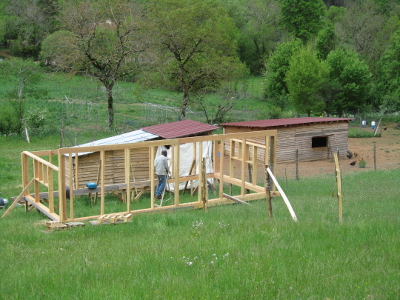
x=221, y=168
x=61, y=188
x=42, y=208
x=289, y=206
x=102, y=167
x=235, y=199
x=128, y=178
x=18, y=198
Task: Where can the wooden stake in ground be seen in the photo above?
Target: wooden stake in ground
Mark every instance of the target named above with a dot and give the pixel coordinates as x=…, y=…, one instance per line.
x=268, y=188
x=285, y=198
x=339, y=186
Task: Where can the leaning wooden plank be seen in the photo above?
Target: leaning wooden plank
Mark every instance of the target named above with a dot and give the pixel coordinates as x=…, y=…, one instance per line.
x=18, y=198
x=42, y=208
x=235, y=199
x=289, y=206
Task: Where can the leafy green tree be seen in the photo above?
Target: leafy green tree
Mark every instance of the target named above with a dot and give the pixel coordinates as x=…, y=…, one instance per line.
x=258, y=30
x=305, y=77
x=276, y=68
x=105, y=39
x=360, y=27
x=326, y=41
x=302, y=18
x=349, y=85
x=27, y=23
x=196, y=46
x=25, y=76
x=388, y=82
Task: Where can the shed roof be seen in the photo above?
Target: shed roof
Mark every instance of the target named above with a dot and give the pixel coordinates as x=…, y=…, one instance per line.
x=125, y=138
x=286, y=122
x=179, y=129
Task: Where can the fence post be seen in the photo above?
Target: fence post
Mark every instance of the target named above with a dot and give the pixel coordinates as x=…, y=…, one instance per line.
x=339, y=186
x=374, y=157
x=297, y=164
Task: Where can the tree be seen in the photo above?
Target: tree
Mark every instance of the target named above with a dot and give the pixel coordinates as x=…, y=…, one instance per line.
x=257, y=23
x=388, y=82
x=326, y=41
x=349, y=82
x=360, y=26
x=196, y=48
x=106, y=39
x=28, y=22
x=276, y=68
x=24, y=76
x=302, y=18
x=304, y=79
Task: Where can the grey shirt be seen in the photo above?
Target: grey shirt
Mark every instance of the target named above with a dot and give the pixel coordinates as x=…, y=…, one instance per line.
x=161, y=165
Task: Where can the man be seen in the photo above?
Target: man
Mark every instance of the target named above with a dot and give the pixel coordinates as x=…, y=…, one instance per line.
x=363, y=123
x=161, y=166
x=373, y=124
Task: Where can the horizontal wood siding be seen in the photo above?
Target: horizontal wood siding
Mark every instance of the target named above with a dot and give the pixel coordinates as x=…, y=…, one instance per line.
x=299, y=138
x=88, y=167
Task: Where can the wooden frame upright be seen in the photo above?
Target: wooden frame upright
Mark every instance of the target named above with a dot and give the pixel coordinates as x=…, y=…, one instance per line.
x=245, y=159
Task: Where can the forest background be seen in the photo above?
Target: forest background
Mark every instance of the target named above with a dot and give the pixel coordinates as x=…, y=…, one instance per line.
x=215, y=61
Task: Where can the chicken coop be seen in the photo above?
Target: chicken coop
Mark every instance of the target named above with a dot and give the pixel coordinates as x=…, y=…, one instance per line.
x=302, y=139
x=51, y=195
x=87, y=167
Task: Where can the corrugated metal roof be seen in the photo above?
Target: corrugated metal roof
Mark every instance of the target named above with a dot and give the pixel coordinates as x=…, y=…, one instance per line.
x=179, y=129
x=285, y=122
x=125, y=138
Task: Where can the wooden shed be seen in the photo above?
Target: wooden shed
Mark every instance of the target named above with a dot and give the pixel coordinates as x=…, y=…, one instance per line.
x=86, y=165
x=310, y=138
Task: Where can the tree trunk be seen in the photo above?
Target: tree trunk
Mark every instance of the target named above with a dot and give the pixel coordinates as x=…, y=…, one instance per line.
x=185, y=101
x=110, y=102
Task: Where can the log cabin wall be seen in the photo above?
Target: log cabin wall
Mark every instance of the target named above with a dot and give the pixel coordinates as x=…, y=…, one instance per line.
x=88, y=167
x=300, y=137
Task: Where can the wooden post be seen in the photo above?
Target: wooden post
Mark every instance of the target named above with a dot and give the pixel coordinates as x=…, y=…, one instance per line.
x=268, y=188
x=203, y=189
x=201, y=179
x=176, y=164
x=62, y=205
x=297, y=164
x=102, y=177
x=221, y=168
x=25, y=171
x=50, y=189
x=268, y=181
x=36, y=167
x=339, y=186
x=76, y=170
x=152, y=174
x=128, y=178
x=71, y=187
x=244, y=158
x=374, y=157
x=254, y=167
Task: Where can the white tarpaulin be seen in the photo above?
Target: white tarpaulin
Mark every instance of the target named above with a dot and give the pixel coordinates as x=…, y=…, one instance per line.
x=186, y=161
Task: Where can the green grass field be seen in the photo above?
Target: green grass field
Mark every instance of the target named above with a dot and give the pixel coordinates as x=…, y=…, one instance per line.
x=230, y=252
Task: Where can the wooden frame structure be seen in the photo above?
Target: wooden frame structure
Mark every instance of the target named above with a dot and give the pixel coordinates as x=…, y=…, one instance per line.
x=47, y=175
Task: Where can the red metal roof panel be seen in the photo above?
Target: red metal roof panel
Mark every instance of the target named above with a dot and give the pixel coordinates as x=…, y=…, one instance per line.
x=286, y=122
x=179, y=129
